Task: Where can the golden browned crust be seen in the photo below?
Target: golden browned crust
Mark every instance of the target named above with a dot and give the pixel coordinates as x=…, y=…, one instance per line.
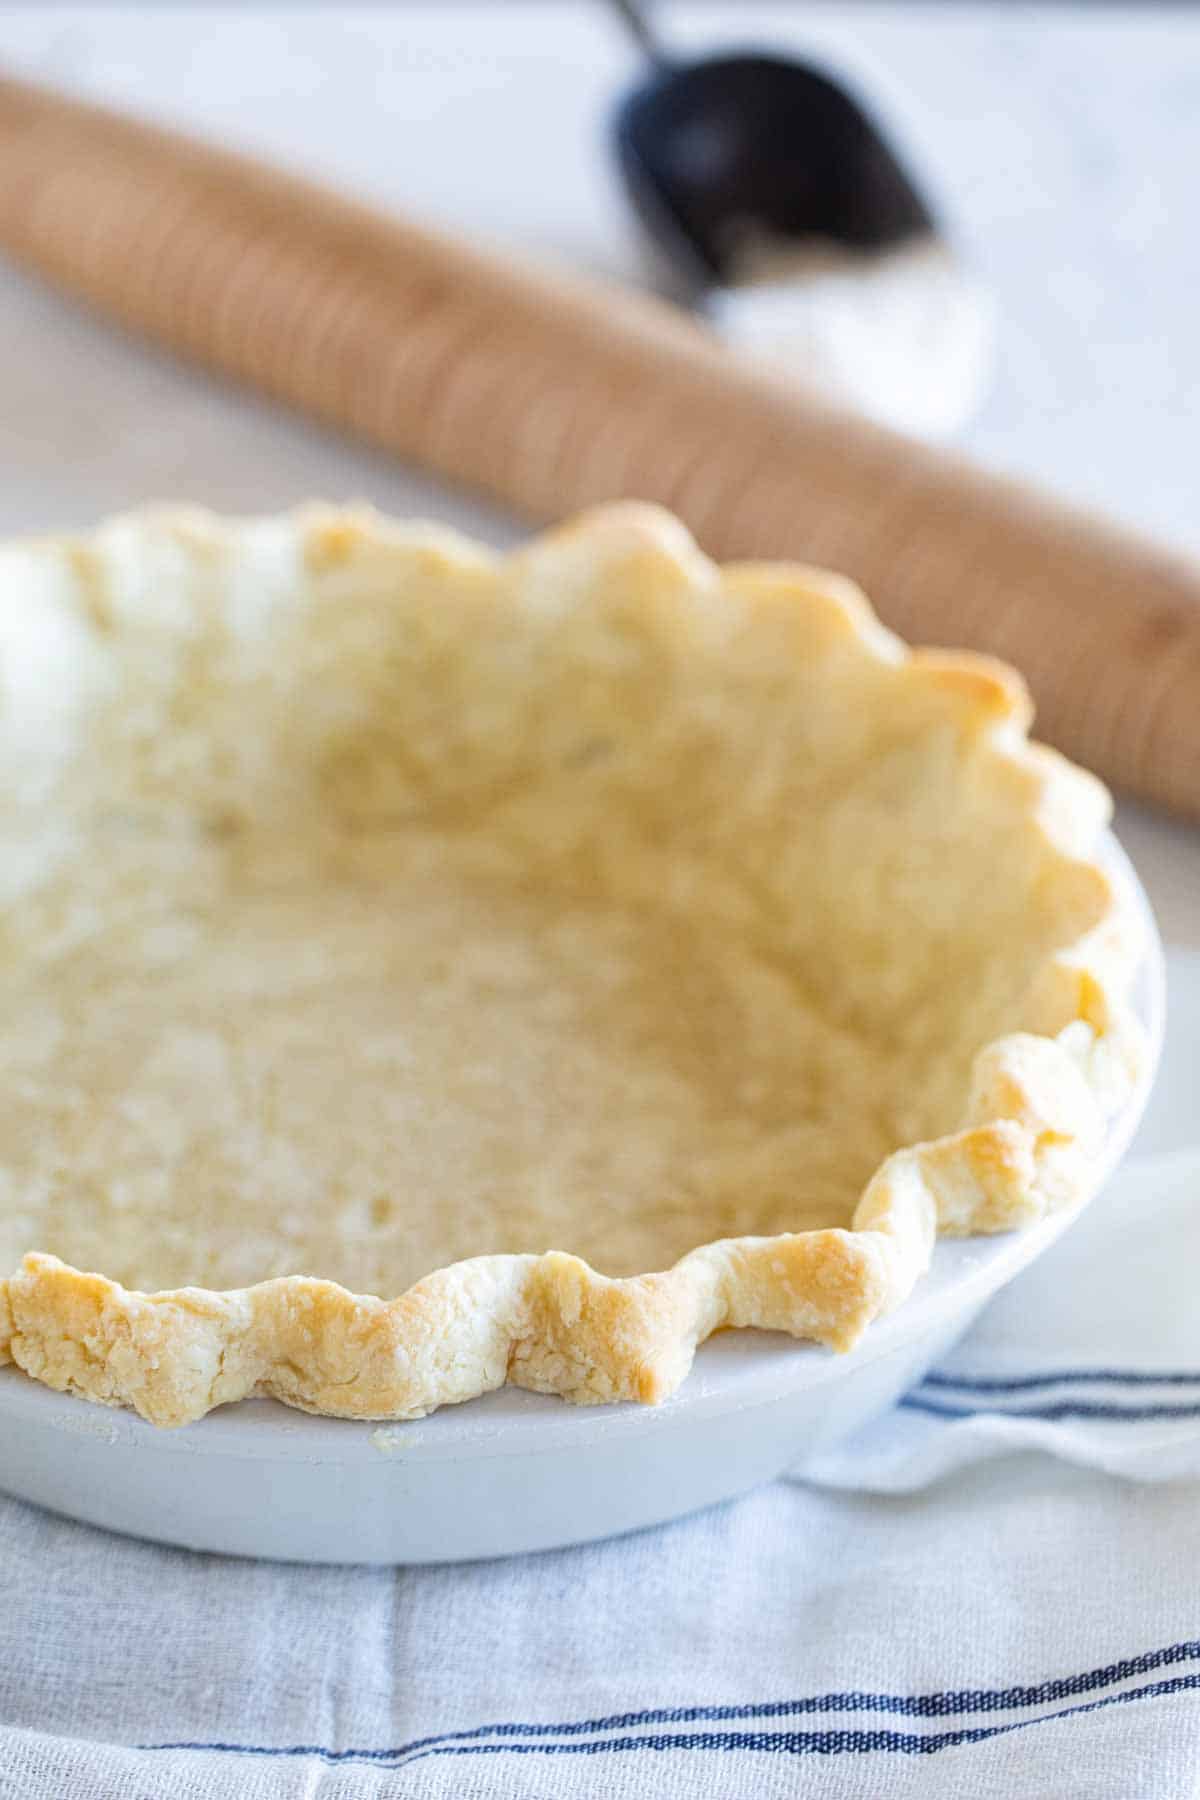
x=1029, y=1132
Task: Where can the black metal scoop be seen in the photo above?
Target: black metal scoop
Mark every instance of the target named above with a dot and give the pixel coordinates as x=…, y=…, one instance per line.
x=783, y=214
x=741, y=148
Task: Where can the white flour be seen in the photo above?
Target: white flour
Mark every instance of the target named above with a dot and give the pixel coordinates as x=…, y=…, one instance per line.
x=904, y=336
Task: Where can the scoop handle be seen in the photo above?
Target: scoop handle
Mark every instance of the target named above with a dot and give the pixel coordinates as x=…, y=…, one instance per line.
x=549, y=394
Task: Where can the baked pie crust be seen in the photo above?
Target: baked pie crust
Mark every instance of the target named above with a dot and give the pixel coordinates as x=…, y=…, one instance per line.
x=424, y=969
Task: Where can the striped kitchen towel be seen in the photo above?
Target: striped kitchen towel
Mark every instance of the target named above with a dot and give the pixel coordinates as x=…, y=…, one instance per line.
x=992, y=1592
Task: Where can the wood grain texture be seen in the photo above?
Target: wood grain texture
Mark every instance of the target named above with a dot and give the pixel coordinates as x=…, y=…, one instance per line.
x=549, y=394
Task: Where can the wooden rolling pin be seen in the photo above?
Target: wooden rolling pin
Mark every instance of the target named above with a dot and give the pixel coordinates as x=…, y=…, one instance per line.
x=549, y=394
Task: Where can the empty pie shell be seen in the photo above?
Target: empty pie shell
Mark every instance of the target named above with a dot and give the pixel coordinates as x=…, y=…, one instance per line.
x=424, y=969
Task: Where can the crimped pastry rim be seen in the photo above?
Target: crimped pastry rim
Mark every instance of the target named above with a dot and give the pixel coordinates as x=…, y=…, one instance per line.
x=1031, y=1142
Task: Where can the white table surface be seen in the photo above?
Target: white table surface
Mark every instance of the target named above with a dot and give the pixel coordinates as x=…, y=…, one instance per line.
x=1063, y=143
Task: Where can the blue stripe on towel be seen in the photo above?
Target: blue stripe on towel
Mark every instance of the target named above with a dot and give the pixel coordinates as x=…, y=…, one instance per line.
x=579, y=1736
x=1052, y=1411
x=1020, y=1384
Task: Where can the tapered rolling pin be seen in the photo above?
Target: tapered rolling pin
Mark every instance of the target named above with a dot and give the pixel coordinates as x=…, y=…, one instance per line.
x=549, y=394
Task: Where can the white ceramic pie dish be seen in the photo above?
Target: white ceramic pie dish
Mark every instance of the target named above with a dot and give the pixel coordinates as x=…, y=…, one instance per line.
x=515, y=1471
